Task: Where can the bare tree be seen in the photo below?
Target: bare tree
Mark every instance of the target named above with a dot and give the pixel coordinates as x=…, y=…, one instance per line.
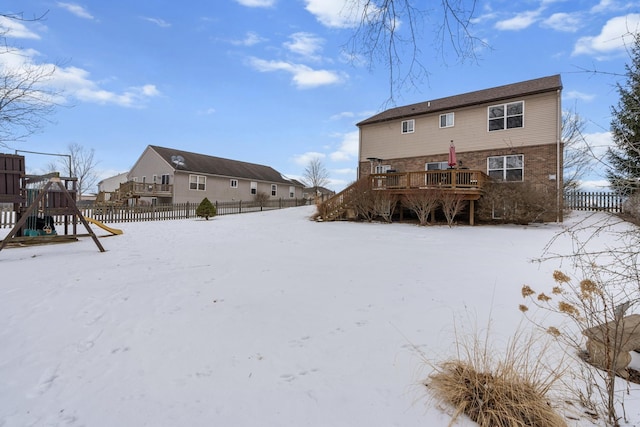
x=316, y=175
x=389, y=31
x=423, y=204
x=81, y=164
x=452, y=204
x=577, y=154
x=25, y=99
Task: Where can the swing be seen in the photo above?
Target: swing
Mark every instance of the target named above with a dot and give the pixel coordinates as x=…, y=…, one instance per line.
x=39, y=222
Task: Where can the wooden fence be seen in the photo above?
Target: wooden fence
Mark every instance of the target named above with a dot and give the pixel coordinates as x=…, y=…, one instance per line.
x=594, y=201
x=115, y=214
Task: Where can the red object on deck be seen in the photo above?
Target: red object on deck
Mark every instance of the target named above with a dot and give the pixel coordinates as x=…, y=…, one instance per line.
x=452, y=156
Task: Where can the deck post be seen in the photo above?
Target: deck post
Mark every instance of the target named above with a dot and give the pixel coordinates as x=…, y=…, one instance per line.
x=471, y=212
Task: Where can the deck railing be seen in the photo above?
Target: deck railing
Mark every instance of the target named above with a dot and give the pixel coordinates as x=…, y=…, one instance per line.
x=146, y=189
x=447, y=178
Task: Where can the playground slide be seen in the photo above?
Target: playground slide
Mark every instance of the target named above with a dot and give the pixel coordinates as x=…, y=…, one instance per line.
x=103, y=226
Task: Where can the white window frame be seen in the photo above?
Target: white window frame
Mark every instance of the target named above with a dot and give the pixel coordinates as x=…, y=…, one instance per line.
x=274, y=190
x=155, y=178
x=254, y=188
x=436, y=166
x=197, y=182
x=448, y=120
x=233, y=183
x=381, y=168
x=507, y=166
x=164, y=179
x=505, y=117
x=292, y=191
x=408, y=126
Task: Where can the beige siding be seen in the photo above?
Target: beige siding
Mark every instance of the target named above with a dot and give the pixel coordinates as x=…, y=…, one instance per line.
x=469, y=133
x=148, y=165
x=219, y=189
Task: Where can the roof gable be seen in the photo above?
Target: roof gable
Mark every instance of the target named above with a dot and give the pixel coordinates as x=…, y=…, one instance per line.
x=200, y=163
x=496, y=94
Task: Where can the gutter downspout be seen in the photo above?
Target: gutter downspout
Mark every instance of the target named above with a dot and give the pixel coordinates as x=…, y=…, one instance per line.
x=558, y=163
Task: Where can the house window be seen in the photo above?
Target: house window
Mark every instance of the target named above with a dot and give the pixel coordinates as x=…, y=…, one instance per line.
x=165, y=179
x=446, y=120
x=144, y=179
x=233, y=183
x=506, y=116
x=155, y=178
x=292, y=191
x=274, y=190
x=197, y=182
x=434, y=166
x=407, y=126
x=506, y=168
x=381, y=168
x=254, y=187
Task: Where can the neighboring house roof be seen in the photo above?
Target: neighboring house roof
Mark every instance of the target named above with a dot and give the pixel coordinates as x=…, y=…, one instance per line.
x=185, y=161
x=321, y=190
x=496, y=94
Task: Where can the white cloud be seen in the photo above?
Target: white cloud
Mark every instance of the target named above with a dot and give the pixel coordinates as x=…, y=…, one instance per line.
x=605, y=5
x=566, y=22
x=574, y=94
x=344, y=171
x=250, y=39
x=257, y=3
x=334, y=13
x=615, y=36
x=304, y=159
x=599, y=142
x=305, y=44
x=304, y=77
x=76, y=9
x=519, y=22
x=158, y=21
x=348, y=147
x=595, y=185
x=343, y=115
x=15, y=29
x=76, y=82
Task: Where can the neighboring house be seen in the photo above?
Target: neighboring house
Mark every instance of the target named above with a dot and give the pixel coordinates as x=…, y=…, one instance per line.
x=510, y=133
x=317, y=195
x=110, y=184
x=168, y=175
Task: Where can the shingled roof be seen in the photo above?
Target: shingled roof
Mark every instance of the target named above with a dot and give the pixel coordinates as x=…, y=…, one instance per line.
x=496, y=94
x=200, y=163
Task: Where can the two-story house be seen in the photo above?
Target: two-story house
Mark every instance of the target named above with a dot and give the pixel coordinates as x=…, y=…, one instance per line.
x=511, y=133
x=168, y=175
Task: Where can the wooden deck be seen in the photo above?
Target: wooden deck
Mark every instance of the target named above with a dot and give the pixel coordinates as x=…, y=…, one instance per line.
x=461, y=181
x=464, y=182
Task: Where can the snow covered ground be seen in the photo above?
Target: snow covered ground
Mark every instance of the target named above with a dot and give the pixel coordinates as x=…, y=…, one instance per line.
x=262, y=319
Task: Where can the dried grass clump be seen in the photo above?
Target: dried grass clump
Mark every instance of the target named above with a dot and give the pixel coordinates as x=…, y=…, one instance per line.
x=500, y=399
x=508, y=388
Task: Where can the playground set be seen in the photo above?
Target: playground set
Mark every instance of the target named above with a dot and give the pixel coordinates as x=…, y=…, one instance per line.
x=39, y=201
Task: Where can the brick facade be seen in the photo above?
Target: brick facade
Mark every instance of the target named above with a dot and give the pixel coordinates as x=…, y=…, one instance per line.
x=540, y=167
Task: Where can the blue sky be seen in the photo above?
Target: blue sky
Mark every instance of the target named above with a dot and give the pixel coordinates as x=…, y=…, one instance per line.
x=269, y=81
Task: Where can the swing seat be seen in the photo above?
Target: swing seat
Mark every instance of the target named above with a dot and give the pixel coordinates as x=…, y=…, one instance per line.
x=30, y=232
